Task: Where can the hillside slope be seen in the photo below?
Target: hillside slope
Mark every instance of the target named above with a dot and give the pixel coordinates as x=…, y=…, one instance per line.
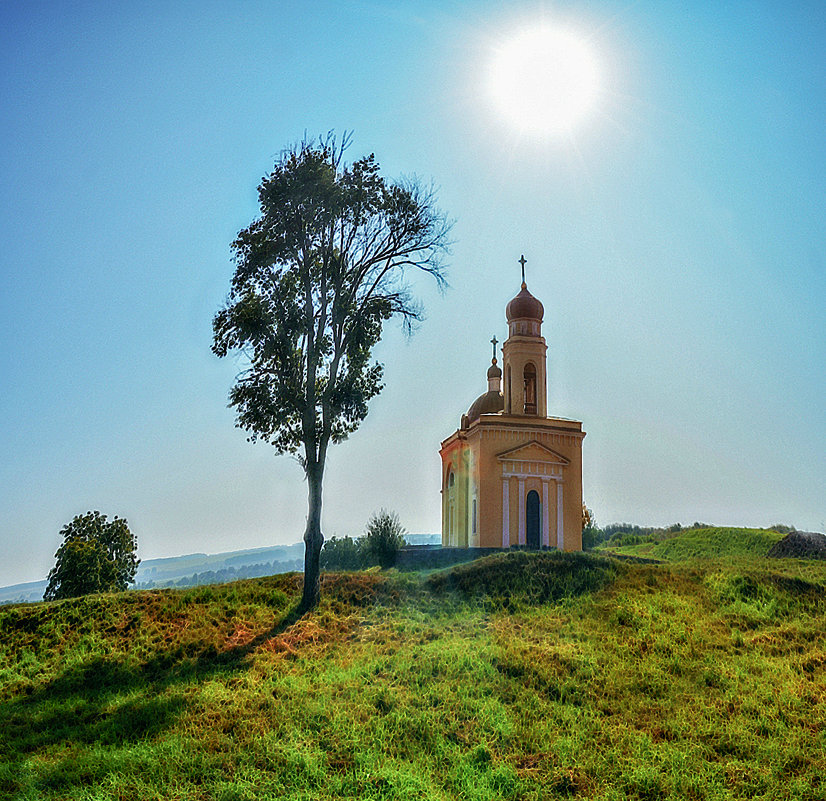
x=522, y=676
x=703, y=543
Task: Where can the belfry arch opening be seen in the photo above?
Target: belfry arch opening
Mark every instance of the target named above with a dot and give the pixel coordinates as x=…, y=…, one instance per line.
x=529, y=376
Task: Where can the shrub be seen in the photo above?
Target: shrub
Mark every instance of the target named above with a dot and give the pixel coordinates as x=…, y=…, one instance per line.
x=379, y=545
x=621, y=539
x=592, y=535
x=384, y=537
x=343, y=553
x=782, y=528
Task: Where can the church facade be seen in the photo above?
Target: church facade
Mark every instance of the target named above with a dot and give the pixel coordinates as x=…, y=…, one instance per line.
x=512, y=475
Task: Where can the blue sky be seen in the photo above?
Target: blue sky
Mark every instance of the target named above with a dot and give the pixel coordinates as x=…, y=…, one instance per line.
x=675, y=238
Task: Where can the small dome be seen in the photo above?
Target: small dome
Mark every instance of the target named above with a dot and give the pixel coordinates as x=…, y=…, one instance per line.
x=489, y=403
x=524, y=307
x=494, y=371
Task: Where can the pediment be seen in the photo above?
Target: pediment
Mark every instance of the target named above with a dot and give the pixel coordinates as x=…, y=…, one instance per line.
x=532, y=452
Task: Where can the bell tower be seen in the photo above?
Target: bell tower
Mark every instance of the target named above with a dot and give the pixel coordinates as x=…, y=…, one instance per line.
x=523, y=356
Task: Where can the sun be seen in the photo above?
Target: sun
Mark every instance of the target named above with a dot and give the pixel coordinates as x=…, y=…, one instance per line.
x=544, y=80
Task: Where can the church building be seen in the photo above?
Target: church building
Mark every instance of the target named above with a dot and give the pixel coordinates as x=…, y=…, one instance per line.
x=512, y=475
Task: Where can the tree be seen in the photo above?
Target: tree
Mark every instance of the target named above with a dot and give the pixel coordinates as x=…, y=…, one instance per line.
x=317, y=275
x=95, y=556
x=384, y=537
x=591, y=535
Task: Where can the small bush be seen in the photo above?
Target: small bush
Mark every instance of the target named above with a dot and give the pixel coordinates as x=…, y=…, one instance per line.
x=379, y=545
x=384, y=538
x=343, y=553
x=782, y=528
x=591, y=537
x=621, y=539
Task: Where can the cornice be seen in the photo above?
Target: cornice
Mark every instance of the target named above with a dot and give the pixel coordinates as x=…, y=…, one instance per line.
x=540, y=425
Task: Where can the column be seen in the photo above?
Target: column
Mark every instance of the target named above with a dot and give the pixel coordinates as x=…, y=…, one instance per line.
x=560, y=540
x=521, y=510
x=546, y=534
x=506, y=513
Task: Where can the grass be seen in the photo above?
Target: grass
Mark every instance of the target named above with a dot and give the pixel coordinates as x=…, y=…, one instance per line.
x=704, y=543
x=522, y=676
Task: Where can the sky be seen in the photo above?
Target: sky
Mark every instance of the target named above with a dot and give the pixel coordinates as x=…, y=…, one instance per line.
x=674, y=235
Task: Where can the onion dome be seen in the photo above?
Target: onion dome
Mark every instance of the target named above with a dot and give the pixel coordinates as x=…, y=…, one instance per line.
x=489, y=403
x=492, y=401
x=524, y=307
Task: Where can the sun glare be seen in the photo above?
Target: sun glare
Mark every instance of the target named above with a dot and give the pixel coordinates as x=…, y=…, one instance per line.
x=544, y=80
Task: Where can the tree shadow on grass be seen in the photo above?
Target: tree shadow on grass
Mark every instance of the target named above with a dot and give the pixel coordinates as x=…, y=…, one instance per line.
x=41, y=724
x=117, y=700
x=111, y=702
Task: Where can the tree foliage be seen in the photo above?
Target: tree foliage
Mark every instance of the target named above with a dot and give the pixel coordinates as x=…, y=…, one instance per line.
x=95, y=556
x=317, y=275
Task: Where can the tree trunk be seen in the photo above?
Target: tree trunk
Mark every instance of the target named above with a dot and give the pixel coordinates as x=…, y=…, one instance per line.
x=313, y=540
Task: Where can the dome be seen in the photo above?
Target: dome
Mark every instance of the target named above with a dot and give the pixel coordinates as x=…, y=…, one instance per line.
x=494, y=371
x=524, y=306
x=489, y=403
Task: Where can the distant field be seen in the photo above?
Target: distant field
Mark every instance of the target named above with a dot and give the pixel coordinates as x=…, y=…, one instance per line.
x=521, y=676
x=705, y=543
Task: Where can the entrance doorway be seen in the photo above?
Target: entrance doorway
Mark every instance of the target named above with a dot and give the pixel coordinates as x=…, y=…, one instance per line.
x=532, y=515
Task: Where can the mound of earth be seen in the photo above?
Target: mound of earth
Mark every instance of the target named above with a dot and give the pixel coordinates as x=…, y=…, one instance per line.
x=800, y=545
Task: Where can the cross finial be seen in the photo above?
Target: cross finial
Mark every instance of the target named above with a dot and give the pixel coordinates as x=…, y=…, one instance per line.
x=522, y=261
x=493, y=342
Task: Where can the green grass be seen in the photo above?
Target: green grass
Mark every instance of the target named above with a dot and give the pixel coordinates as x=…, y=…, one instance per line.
x=522, y=676
x=704, y=543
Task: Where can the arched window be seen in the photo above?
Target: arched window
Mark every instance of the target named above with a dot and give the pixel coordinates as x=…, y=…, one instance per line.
x=530, y=388
x=451, y=507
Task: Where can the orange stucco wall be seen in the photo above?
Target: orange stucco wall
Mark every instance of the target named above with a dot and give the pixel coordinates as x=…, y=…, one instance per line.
x=478, y=458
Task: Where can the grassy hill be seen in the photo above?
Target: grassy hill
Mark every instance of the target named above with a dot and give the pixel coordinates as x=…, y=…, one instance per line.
x=520, y=676
x=702, y=543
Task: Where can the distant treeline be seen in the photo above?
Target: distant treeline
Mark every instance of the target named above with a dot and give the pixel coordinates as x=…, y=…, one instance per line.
x=225, y=574
x=628, y=534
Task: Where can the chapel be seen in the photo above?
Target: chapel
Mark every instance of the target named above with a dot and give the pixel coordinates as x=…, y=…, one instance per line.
x=511, y=474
